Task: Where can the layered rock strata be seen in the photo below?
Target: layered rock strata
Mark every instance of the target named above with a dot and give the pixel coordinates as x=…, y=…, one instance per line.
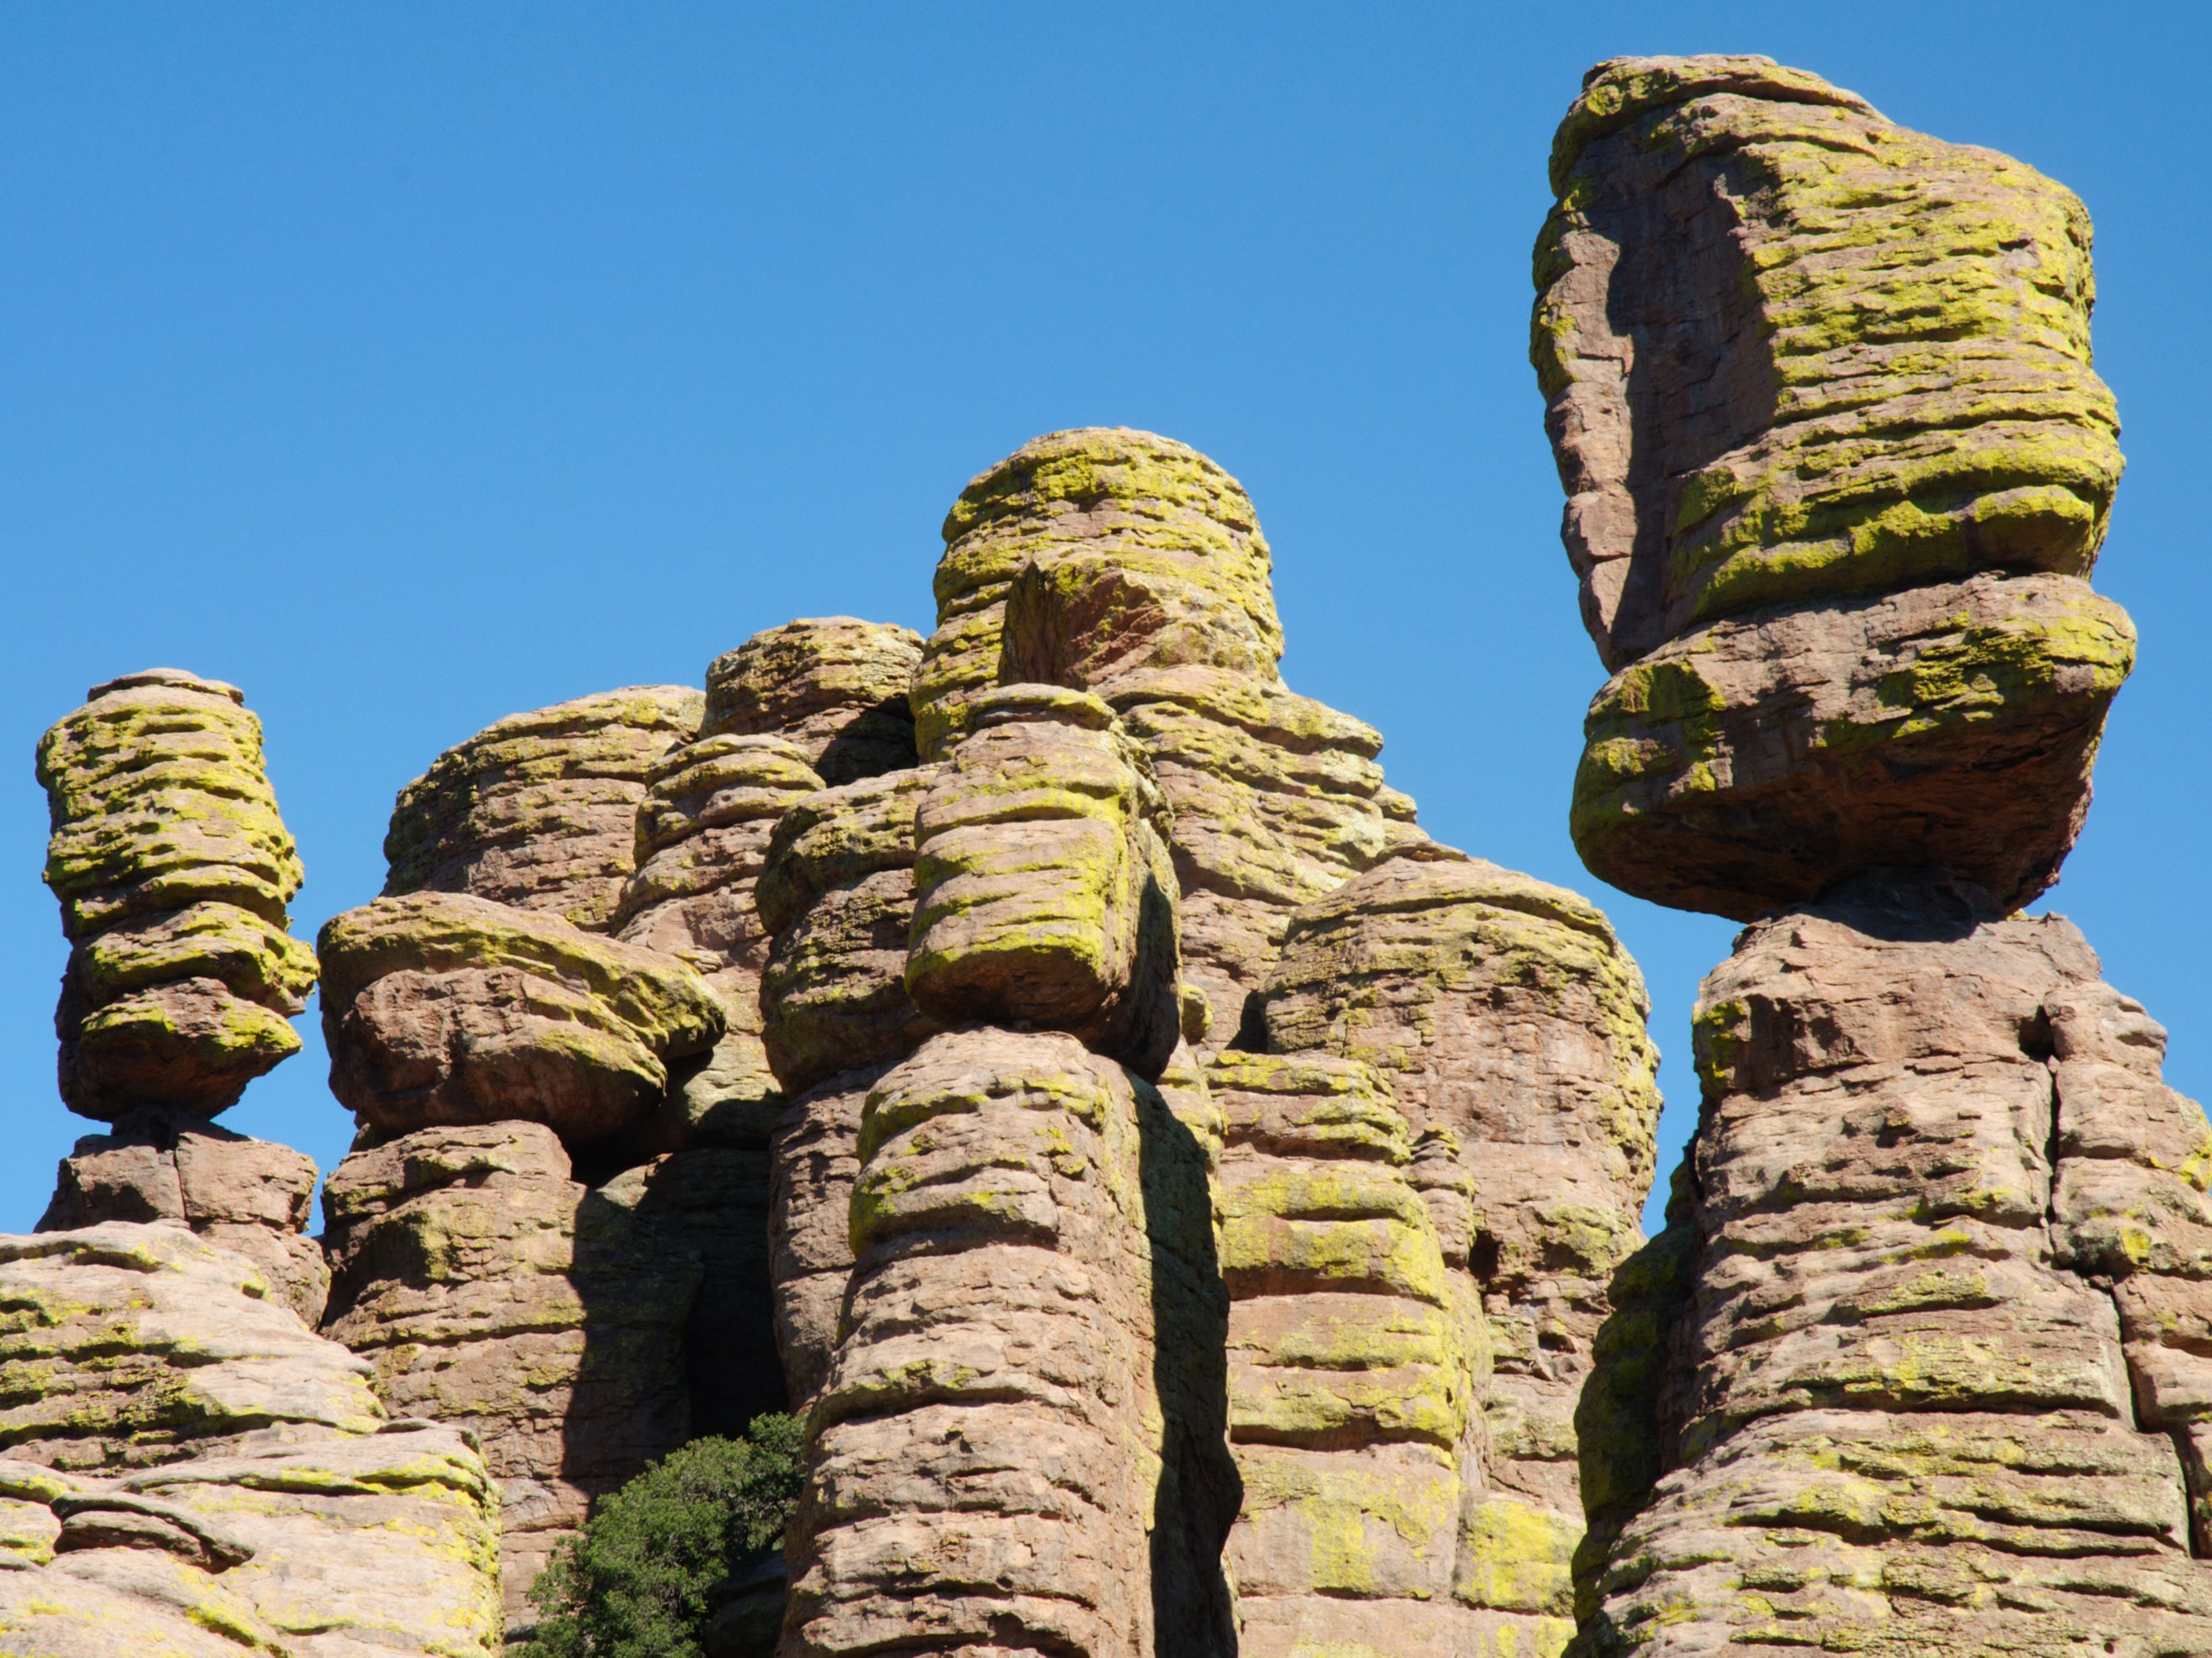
x=836, y=687
x=1905, y=1406
x=174, y=871
x=189, y=1472
x=1837, y=469
x=1509, y=1024
x=491, y=1290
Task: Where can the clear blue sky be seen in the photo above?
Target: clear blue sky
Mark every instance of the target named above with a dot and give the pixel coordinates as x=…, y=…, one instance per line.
x=411, y=366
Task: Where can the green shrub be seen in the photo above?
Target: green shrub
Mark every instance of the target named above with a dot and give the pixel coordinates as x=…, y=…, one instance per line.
x=648, y=1570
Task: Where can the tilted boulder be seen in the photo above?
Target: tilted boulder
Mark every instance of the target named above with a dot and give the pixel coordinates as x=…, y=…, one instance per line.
x=251, y=1197
x=491, y=1290
x=1837, y=469
x=1895, y=1403
x=1043, y=893
x=189, y=1471
x=444, y=1009
x=539, y=810
x=1509, y=1024
x=174, y=871
x=834, y=686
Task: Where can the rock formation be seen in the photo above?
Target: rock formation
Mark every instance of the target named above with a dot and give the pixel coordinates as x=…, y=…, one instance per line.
x=1909, y=1369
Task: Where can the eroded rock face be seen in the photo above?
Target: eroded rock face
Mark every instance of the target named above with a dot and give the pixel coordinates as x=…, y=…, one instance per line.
x=189, y=1471
x=174, y=871
x=443, y=1009
x=539, y=810
x=1837, y=469
x=492, y=1291
x=834, y=686
x=1896, y=1403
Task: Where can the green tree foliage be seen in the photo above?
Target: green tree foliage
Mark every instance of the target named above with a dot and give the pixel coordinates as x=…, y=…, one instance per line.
x=647, y=1572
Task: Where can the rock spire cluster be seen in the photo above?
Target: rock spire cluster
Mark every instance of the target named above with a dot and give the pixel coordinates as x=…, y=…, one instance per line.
x=1909, y=1369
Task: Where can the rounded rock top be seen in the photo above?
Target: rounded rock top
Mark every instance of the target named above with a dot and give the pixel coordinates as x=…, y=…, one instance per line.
x=180, y=679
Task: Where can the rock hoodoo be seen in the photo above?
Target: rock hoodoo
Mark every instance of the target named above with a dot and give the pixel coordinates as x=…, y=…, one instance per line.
x=1907, y=1371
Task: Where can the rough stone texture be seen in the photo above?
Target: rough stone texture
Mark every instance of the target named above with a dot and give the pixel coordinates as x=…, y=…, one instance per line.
x=1793, y=351
x=1043, y=893
x=1355, y=1356
x=248, y=1196
x=539, y=810
x=1510, y=1024
x=440, y=1009
x=491, y=1290
x=1127, y=565
x=191, y=1473
x=703, y=839
x=1749, y=766
x=814, y=1159
x=174, y=871
x=1001, y=1460
x=835, y=686
x=1891, y=1417
x=837, y=894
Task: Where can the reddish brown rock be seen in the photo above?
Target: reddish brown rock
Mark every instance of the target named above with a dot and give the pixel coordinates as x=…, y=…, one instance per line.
x=490, y=1291
x=815, y=1158
x=834, y=686
x=539, y=810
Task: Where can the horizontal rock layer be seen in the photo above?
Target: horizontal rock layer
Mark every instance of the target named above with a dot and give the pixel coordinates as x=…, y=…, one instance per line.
x=834, y=686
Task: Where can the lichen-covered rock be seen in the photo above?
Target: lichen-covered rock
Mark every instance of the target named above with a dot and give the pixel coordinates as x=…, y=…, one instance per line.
x=1890, y=1412
x=174, y=871
x=837, y=894
x=1751, y=764
x=814, y=1159
x=1043, y=895
x=1794, y=351
x=251, y=1197
x=539, y=810
x=443, y=1009
x=1510, y=1024
x=834, y=686
x=995, y=1462
x=490, y=1291
x=191, y=1473
x=703, y=839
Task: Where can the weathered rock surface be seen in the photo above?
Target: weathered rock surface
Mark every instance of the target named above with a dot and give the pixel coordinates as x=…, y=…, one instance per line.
x=1794, y=351
x=1509, y=1024
x=174, y=871
x=995, y=1464
x=834, y=686
x=1043, y=893
x=439, y=1008
x=191, y=1473
x=492, y=1291
x=248, y=1196
x=814, y=1159
x=1892, y=1416
x=837, y=896
x=1127, y=565
x=1750, y=765
x=539, y=810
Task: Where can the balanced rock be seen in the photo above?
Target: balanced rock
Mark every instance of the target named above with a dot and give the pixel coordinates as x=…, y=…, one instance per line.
x=836, y=687
x=539, y=810
x=1837, y=468
x=190, y=1472
x=1043, y=893
x=491, y=1290
x=174, y=871
x=443, y=1009
x=1902, y=1401
x=251, y=1197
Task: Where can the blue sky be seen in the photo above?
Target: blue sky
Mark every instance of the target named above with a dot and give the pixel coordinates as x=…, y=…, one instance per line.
x=411, y=366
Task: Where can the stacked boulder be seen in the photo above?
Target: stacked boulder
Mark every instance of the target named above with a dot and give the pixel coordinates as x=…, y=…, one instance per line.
x=1837, y=468
x=1909, y=1369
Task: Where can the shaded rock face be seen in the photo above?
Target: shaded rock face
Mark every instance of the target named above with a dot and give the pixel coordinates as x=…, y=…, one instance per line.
x=834, y=687
x=1837, y=469
x=491, y=1290
x=1130, y=566
x=188, y=1470
x=247, y=1196
x=1509, y=1024
x=174, y=871
x=1904, y=1399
